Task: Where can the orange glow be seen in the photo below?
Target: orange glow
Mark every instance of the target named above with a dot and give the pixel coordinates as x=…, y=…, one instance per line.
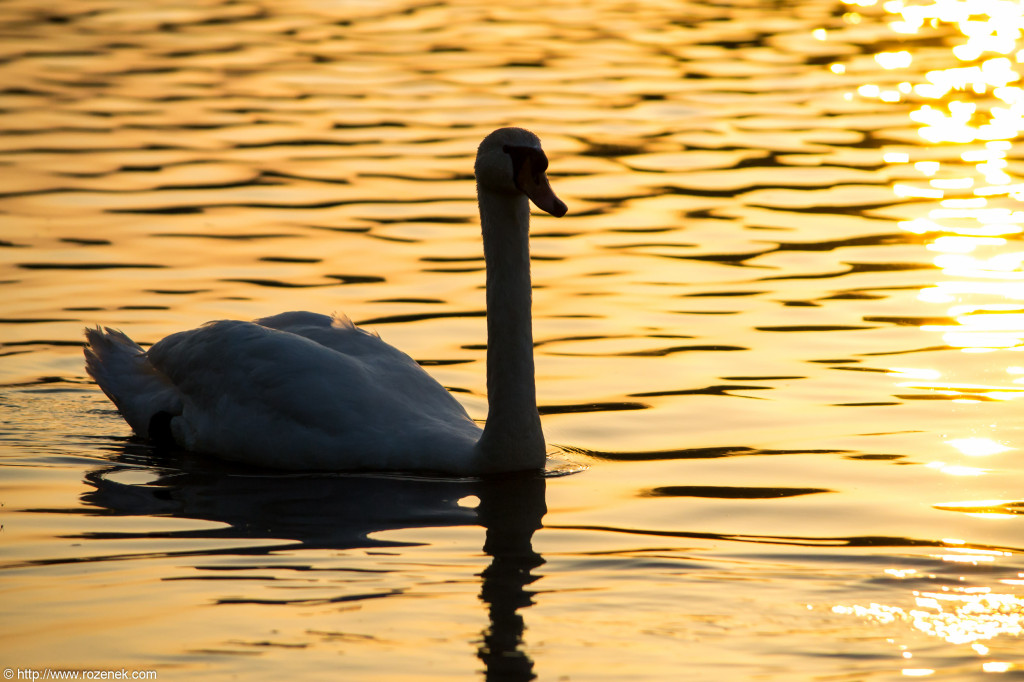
x=975, y=206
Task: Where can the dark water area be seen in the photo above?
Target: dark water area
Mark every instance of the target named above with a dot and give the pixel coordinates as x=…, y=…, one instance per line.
x=776, y=336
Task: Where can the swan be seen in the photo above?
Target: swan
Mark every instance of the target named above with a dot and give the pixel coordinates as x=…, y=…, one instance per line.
x=305, y=391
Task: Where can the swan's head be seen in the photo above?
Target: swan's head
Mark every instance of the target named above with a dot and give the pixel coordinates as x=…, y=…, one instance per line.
x=511, y=161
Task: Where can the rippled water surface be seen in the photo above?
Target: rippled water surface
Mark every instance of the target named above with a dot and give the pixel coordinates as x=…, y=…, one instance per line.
x=777, y=336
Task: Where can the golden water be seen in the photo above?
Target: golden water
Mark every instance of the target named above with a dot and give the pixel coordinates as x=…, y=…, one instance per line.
x=778, y=331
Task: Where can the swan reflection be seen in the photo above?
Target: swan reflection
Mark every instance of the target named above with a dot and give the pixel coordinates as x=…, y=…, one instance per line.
x=343, y=512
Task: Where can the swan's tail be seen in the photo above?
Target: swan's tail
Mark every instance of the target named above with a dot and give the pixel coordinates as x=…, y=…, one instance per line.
x=122, y=370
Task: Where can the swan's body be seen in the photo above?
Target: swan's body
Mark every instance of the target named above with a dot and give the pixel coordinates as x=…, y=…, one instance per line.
x=301, y=390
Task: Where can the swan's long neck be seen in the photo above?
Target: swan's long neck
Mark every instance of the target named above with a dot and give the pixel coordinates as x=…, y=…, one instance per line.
x=512, y=438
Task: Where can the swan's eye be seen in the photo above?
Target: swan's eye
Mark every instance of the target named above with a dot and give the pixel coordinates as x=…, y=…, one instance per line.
x=528, y=160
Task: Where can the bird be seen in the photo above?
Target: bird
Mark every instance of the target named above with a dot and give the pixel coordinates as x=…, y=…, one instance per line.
x=304, y=391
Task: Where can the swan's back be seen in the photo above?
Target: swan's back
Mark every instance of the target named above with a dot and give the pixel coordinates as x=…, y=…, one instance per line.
x=306, y=391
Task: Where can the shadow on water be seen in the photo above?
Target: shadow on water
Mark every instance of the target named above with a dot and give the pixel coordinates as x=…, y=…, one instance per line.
x=340, y=512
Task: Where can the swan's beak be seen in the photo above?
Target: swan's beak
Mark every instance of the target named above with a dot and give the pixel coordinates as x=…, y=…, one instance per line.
x=528, y=166
x=537, y=187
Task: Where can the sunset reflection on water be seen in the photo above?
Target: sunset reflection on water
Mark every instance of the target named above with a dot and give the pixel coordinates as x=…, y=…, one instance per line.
x=970, y=116
x=968, y=200
x=777, y=335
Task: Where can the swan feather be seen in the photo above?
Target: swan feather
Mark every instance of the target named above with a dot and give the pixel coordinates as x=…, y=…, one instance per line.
x=247, y=387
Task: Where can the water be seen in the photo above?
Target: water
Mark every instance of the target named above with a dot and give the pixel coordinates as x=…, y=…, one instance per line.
x=777, y=337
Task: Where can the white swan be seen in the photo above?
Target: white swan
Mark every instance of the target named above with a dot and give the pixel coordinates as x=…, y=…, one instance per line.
x=306, y=391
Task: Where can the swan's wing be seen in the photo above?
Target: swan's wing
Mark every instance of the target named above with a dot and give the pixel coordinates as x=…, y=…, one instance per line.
x=391, y=368
x=337, y=331
x=332, y=397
